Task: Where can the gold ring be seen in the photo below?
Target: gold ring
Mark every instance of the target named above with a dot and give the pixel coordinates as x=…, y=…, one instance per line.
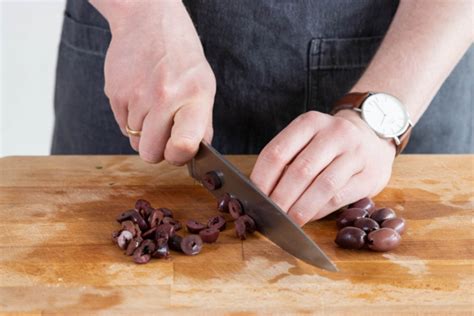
x=131, y=132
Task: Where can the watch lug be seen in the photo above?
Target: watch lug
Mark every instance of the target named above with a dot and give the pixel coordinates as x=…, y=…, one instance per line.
x=358, y=110
x=397, y=140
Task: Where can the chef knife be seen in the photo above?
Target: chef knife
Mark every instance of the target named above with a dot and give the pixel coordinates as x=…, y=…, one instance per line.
x=271, y=221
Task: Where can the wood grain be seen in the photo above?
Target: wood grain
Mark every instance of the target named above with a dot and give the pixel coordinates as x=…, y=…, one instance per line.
x=56, y=256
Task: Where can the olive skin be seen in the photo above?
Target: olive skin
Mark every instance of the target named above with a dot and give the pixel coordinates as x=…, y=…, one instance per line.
x=162, y=250
x=240, y=229
x=351, y=238
x=212, y=180
x=164, y=230
x=243, y=225
x=143, y=253
x=133, y=245
x=155, y=218
x=194, y=227
x=383, y=239
x=366, y=224
x=209, y=235
x=174, y=242
x=142, y=204
x=250, y=226
x=383, y=214
x=133, y=216
x=223, y=203
x=173, y=222
x=166, y=212
x=398, y=224
x=217, y=222
x=347, y=217
x=365, y=204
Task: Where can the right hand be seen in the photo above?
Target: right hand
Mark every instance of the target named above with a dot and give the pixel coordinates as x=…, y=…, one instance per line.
x=157, y=78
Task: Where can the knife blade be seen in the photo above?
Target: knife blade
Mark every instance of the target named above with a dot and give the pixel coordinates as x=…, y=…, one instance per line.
x=271, y=221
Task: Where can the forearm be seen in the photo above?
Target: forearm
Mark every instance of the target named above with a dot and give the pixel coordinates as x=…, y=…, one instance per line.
x=423, y=44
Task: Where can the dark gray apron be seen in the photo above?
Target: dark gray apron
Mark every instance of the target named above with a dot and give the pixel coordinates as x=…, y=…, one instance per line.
x=273, y=60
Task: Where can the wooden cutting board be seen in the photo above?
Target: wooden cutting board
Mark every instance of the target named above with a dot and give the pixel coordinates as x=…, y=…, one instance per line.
x=57, y=256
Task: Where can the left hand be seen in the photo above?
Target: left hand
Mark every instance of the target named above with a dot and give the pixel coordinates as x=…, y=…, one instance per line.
x=320, y=163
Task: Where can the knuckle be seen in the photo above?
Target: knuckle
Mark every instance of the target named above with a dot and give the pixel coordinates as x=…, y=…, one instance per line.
x=208, y=80
x=197, y=88
x=338, y=199
x=165, y=92
x=204, y=73
x=211, y=81
x=310, y=116
x=301, y=214
x=304, y=167
x=280, y=199
x=116, y=105
x=203, y=85
x=112, y=95
x=107, y=91
x=329, y=183
x=273, y=153
x=138, y=94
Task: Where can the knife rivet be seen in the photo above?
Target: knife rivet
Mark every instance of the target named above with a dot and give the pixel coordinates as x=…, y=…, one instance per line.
x=212, y=180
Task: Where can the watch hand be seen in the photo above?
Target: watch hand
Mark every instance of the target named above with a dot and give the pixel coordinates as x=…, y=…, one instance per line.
x=383, y=119
x=376, y=104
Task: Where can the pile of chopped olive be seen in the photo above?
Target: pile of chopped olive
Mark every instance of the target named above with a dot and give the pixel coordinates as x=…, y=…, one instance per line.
x=148, y=232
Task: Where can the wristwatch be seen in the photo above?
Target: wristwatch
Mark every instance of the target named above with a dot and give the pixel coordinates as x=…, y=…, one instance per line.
x=383, y=113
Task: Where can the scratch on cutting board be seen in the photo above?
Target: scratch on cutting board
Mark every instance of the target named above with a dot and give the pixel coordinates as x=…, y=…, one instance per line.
x=414, y=265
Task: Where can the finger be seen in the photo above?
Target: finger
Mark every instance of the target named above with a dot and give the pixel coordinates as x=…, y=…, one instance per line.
x=120, y=112
x=326, y=185
x=190, y=123
x=284, y=147
x=155, y=133
x=353, y=191
x=304, y=168
x=136, y=116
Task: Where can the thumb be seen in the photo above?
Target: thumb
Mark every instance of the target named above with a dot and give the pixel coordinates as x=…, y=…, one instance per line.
x=190, y=124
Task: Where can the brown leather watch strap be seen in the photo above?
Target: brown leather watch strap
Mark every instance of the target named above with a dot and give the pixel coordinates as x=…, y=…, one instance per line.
x=349, y=101
x=403, y=141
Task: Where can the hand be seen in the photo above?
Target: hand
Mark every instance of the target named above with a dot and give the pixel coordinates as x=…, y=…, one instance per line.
x=157, y=78
x=320, y=163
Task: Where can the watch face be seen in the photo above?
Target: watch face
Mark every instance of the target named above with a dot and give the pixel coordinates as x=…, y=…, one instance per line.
x=385, y=114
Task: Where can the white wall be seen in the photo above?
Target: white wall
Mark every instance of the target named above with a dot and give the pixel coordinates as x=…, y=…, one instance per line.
x=29, y=38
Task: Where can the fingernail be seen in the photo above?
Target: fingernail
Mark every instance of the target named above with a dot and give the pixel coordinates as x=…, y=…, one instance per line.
x=299, y=217
x=134, y=147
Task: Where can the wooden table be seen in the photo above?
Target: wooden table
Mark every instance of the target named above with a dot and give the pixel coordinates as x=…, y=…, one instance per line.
x=57, y=256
